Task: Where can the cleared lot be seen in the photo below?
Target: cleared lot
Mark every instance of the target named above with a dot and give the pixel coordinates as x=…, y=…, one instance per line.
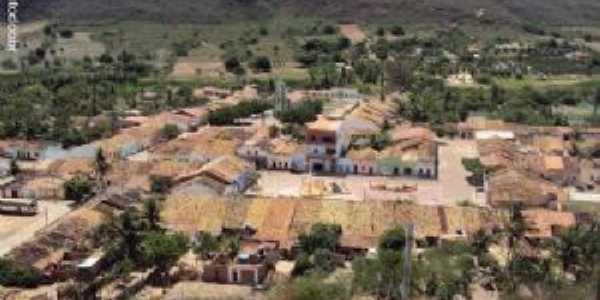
x=15, y=230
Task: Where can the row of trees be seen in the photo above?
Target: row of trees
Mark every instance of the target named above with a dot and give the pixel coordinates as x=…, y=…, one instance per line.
x=228, y=115
x=304, y=112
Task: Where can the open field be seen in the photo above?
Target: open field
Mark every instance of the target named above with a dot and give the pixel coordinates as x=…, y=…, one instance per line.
x=15, y=230
x=353, y=32
x=79, y=46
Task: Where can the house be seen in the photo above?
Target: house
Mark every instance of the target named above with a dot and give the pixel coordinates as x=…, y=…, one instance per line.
x=282, y=220
x=22, y=150
x=560, y=170
x=498, y=154
x=359, y=161
x=543, y=223
x=551, y=145
x=491, y=128
x=232, y=173
x=325, y=142
x=417, y=157
x=246, y=269
x=128, y=142
x=462, y=78
x=509, y=187
x=39, y=187
x=589, y=133
x=68, y=168
x=359, y=131
x=285, y=154
x=376, y=112
x=335, y=94
x=494, y=134
x=202, y=146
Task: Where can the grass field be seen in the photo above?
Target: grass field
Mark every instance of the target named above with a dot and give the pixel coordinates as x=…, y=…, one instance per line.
x=551, y=81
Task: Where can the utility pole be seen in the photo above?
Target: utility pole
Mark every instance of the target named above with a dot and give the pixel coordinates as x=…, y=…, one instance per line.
x=407, y=268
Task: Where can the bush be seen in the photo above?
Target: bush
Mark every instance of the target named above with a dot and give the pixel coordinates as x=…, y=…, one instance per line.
x=169, y=132
x=160, y=184
x=228, y=115
x=321, y=236
x=78, y=188
x=397, y=30
x=233, y=63
x=262, y=64
x=302, y=265
x=329, y=29
x=66, y=33
x=264, y=31
x=9, y=64
x=393, y=239
x=324, y=261
x=13, y=274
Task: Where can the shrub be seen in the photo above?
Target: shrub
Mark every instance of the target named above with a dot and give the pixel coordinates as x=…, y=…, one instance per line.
x=66, y=33
x=169, y=131
x=78, y=188
x=160, y=184
x=302, y=265
x=9, y=64
x=262, y=64
x=17, y=275
x=264, y=31
x=321, y=236
x=329, y=29
x=393, y=239
x=397, y=30
x=232, y=63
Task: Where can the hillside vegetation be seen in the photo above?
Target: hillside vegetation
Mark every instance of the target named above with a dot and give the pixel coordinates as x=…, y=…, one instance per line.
x=551, y=12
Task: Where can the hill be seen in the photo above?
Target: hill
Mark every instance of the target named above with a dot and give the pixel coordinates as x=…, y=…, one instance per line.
x=550, y=12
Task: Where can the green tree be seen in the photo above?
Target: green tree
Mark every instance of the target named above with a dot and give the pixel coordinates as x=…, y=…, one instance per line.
x=393, y=239
x=163, y=250
x=321, y=236
x=206, y=244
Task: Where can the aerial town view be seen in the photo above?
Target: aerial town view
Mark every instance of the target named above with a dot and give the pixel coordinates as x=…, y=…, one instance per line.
x=300, y=150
